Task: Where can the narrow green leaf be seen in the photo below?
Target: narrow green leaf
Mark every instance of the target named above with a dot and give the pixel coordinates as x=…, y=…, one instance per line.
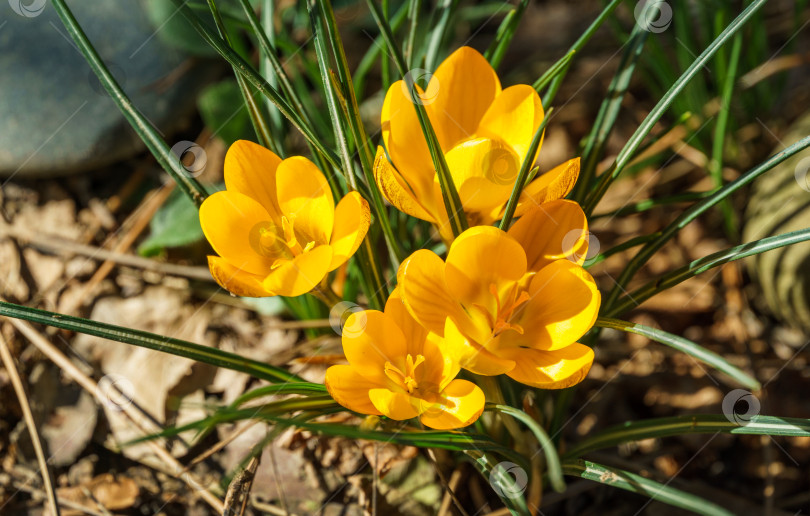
x=439, y=33
x=555, y=474
x=503, y=37
x=150, y=136
x=644, y=486
x=148, y=340
x=685, y=346
x=280, y=389
x=694, y=424
x=504, y=482
x=638, y=296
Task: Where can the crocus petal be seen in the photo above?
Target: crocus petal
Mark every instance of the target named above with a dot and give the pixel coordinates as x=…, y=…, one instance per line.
x=422, y=287
x=250, y=169
x=230, y=222
x=554, y=184
x=304, y=192
x=352, y=218
x=350, y=389
x=463, y=403
x=236, y=281
x=471, y=356
x=397, y=190
x=480, y=257
x=514, y=117
x=551, y=369
x=414, y=333
x=465, y=85
x=396, y=405
x=484, y=171
x=301, y=274
x=370, y=339
x=405, y=142
x=552, y=231
x=563, y=305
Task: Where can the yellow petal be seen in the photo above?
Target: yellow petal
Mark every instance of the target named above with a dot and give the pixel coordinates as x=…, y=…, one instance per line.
x=397, y=190
x=471, y=356
x=563, y=306
x=404, y=141
x=250, y=169
x=484, y=171
x=414, y=333
x=514, y=117
x=301, y=274
x=465, y=86
x=396, y=405
x=230, y=222
x=372, y=340
x=304, y=192
x=551, y=369
x=350, y=389
x=552, y=231
x=422, y=287
x=480, y=257
x=554, y=184
x=352, y=218
x=463, y=403
x=236, y=280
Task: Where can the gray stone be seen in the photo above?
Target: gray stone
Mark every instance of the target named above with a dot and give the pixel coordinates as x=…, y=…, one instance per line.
x=55, y=117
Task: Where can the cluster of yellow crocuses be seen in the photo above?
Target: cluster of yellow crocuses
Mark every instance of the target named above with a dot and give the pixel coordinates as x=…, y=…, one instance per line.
x=502, y=302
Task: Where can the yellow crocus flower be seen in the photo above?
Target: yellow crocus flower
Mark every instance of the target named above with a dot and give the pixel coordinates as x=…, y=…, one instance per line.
x=276, y=228
x=400, y=370
x=485, y=133
x=511, y=303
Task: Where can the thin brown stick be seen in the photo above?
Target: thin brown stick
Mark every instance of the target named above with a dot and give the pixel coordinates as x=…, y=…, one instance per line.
x=238, y=493
x=28, y=417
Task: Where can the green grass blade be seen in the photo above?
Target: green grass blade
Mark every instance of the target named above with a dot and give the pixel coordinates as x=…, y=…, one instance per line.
x=503, y=37
x=633, y=242
x=608, y=112
x=258, y=82
x=439, y=33
x=555, y=474
x=649, y=204
x=153, y=141
x=279, y=390
x=638, y=296
x=629, y=150
x=148, y=340
x=508, y=489
x=556, y=69
x=690, y=424
x=452, y=202
x=646, y=252
x=683, y=345
x=523, y=174
x=374, y=51
x=644, y=486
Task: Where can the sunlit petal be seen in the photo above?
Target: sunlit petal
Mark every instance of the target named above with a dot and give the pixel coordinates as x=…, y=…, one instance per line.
x=514, y=117
x=304, y=193
x=250, y=169
x=301, y=274
x=350, y=389
x=551, y=369
x=352, y=219
x=236, y=281
x=396, y=405
x=554, y=184
x=462, y=404
x=552, y=231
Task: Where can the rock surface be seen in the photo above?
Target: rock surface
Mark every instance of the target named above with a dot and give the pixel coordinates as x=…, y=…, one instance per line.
x=56, y=117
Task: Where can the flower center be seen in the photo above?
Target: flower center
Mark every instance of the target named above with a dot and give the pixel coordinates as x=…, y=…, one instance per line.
x=500, y=321
x=405, y=379
x=280, y=243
